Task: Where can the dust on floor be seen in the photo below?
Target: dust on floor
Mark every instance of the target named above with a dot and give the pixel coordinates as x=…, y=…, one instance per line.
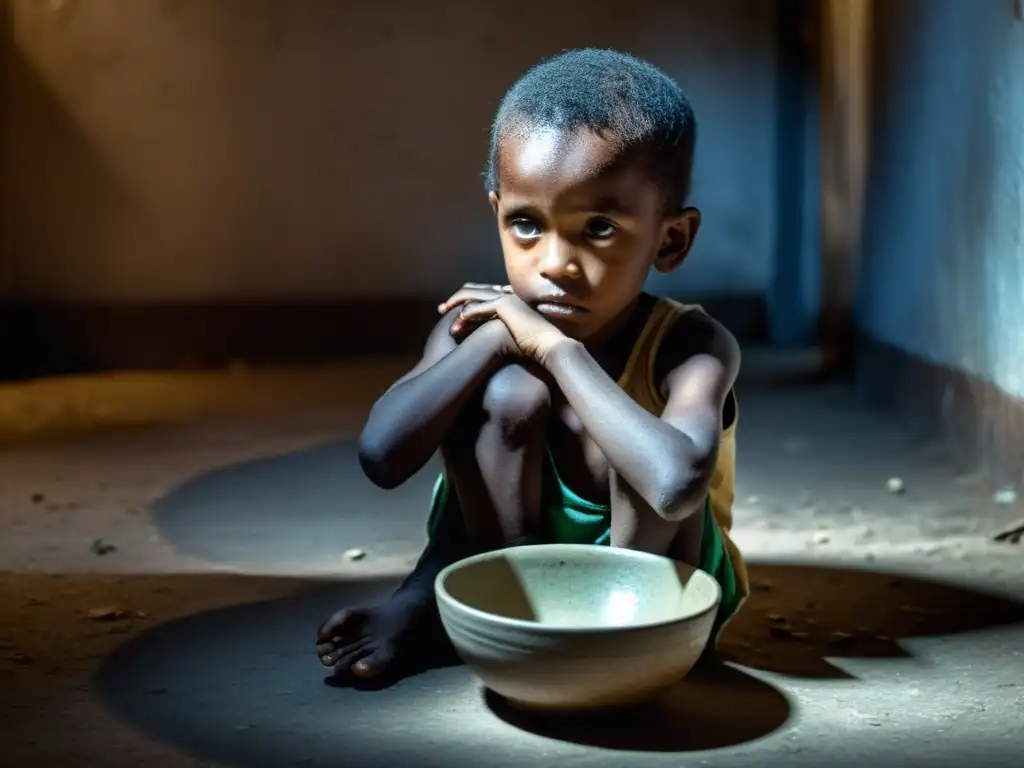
x=155, y=613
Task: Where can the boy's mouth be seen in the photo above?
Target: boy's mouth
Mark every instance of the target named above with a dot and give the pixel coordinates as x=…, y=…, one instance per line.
x=557, y=308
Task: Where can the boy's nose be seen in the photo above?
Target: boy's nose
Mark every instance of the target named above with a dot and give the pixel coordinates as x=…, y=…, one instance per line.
x=559, y=260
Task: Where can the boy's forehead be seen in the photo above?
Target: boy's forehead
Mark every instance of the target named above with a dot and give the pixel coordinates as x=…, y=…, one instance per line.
x=547, y=163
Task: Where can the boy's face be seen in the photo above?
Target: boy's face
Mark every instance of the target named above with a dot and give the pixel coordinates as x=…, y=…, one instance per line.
x=581, y=228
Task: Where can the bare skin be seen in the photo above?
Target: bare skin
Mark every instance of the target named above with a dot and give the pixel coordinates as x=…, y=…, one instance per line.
x=492, y=458
x=505, y=376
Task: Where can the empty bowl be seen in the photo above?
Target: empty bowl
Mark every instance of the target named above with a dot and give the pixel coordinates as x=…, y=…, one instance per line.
x=577, y=626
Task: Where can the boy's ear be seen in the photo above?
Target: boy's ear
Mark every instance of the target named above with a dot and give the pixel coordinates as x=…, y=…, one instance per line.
x=677, y=239
x=492, y=198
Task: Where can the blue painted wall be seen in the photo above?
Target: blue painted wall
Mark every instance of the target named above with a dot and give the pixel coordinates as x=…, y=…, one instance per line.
x=943, y=242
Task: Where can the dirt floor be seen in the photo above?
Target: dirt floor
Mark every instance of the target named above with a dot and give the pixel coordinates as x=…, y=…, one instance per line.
x=172, y=541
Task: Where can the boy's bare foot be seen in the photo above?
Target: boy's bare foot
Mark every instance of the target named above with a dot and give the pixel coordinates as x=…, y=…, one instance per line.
x=396, y=638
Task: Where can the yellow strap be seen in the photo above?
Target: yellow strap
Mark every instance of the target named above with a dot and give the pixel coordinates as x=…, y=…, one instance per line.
x=640, y=347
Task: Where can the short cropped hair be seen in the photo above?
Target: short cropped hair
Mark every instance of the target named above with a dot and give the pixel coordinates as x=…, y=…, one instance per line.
x=616, y=95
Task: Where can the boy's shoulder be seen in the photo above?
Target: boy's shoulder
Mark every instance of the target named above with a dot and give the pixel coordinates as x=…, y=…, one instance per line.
x=694, y=332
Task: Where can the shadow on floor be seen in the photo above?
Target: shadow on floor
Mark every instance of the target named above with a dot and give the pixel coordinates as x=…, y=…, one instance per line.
x=702, y=713
x=241, y=685
x=798, y=617
x=284, y=512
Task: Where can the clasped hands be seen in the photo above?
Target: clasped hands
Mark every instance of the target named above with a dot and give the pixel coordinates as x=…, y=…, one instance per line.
x=524, y=332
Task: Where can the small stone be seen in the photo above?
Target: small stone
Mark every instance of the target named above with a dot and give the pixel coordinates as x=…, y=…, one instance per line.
x=354, y=555
x=780, y=631
x=799, y=635
x=38, y=498
x=1005, y=496
x=141, y=615
x=107, y=613
x=895, y=485
x=775, y=618
x=822, y=537
x=23, y=659
x=100, y=548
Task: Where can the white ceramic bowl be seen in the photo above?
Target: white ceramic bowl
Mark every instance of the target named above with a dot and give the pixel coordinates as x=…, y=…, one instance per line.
x=577, y=626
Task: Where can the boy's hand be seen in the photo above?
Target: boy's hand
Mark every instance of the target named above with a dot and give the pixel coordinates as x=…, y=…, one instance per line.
x=535, y=337
x=497, y=334
x=471, y=293
x=492, y=328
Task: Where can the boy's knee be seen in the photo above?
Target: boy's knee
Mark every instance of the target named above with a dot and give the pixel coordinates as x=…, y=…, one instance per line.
x=516, y=402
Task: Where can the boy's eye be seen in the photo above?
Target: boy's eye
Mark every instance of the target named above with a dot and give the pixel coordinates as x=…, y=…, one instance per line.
x=600, y=229
x=524, y=229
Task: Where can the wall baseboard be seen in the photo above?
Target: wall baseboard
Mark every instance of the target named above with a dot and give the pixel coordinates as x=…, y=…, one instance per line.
x=982, y=425
x=54, y=339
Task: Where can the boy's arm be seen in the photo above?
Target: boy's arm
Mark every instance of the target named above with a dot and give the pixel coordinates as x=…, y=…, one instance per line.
x=667, y=461
x=408, y=422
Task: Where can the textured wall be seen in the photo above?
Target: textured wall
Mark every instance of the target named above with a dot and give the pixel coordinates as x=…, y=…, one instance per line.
x=943, y=244
x=211, y=149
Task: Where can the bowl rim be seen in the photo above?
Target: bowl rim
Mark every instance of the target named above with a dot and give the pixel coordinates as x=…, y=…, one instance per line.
x=442, y=595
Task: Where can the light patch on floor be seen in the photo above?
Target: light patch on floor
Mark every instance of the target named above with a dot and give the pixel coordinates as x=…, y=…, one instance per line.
x=164, y=570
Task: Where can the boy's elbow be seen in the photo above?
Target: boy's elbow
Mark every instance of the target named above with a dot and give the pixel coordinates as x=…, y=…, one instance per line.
x=375, y=461
x=678, y=501
x=683, y=491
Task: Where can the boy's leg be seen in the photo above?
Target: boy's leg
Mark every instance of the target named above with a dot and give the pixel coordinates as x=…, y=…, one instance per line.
x=695, y=540
x=496, y=468
x=493, y=464
x=636, y=526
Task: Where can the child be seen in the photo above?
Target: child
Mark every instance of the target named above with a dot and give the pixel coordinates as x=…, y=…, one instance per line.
x=569, y=405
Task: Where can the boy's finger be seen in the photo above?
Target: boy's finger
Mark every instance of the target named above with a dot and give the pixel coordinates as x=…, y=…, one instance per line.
x=495, y=288
x=466, y=295
x=462, y=327
x=479, y=311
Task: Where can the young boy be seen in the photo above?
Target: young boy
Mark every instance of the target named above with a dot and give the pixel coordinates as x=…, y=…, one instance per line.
x=569, y=405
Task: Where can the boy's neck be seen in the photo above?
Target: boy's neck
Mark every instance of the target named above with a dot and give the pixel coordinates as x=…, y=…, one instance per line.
x=612, y=346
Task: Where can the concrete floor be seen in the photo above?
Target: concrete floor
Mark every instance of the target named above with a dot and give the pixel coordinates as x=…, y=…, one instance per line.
x=191, y=641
